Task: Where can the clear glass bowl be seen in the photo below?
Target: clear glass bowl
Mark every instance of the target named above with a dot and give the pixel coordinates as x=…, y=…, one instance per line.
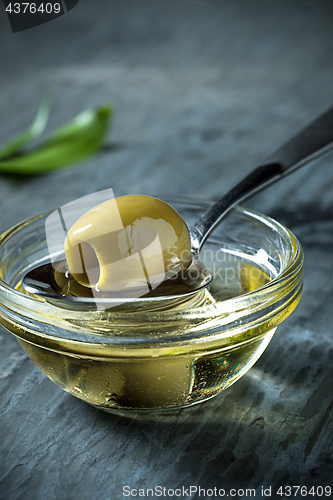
x=156, y=355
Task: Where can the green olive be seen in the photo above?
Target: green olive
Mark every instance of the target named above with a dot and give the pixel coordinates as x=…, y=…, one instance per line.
x=126, y=243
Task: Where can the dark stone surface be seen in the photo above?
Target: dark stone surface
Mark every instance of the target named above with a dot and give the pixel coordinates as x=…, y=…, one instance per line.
x=203, y=92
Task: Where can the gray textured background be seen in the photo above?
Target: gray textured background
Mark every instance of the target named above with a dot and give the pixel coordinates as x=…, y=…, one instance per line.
x=204, y=91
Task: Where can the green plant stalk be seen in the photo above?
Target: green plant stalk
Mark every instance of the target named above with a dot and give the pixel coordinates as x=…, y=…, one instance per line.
x=74, y=142
x=15, y=146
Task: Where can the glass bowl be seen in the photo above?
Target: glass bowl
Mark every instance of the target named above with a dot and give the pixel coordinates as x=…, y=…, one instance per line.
x=155, y=355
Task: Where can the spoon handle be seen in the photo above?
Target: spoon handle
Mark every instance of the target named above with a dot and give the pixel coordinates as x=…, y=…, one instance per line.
x=311, y=142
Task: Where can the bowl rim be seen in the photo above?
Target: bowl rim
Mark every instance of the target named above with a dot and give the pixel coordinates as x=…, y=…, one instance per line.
x=204, y=315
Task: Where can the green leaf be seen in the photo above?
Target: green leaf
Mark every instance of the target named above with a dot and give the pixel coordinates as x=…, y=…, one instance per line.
x=72, y=143
x=14, y=146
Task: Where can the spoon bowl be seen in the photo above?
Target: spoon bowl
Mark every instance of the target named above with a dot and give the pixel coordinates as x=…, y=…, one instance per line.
x=49, y=280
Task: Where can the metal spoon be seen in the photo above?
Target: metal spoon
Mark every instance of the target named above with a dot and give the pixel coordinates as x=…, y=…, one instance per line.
x=311, y=142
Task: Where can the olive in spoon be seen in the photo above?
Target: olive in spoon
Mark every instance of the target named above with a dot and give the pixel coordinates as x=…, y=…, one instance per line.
x=311, y=142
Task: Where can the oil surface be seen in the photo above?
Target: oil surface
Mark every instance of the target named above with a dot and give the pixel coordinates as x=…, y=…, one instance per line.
x=230, y=279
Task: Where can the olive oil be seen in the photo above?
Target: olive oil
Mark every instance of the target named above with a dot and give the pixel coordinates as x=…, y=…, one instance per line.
x=117, y=383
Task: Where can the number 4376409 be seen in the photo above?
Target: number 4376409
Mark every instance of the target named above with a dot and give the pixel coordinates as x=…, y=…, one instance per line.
x=31, y=8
